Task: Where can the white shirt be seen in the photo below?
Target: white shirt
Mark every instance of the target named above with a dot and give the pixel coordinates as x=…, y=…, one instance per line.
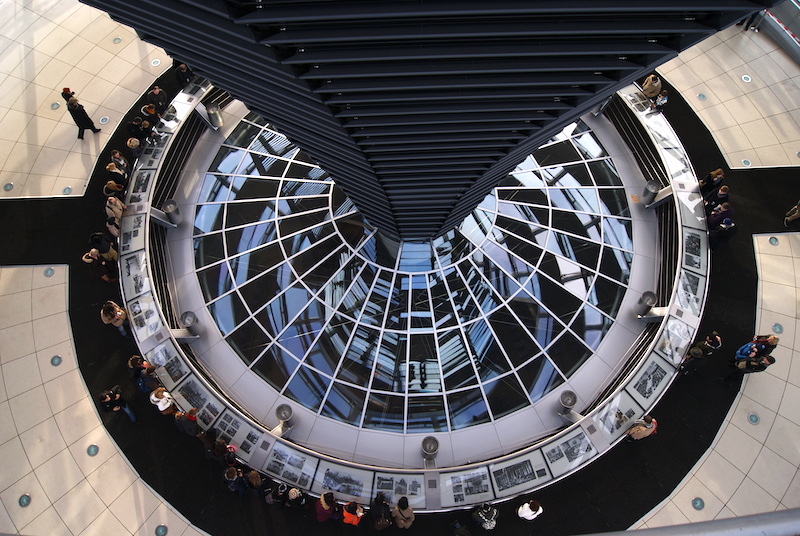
x=526, y=513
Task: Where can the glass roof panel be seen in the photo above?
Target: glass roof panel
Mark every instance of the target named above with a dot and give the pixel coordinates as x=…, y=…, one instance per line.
x=425, y=336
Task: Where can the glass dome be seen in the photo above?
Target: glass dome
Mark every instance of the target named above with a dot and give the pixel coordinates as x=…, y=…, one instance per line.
x=412, y=337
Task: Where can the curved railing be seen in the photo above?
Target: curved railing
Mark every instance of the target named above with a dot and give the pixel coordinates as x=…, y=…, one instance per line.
x=642, y=381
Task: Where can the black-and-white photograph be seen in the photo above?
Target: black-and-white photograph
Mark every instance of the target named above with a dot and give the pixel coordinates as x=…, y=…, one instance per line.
x=458, y=497
x=576, y=447
x=227, y=418
x=384, y=484
x=514, y=475
x=541, y=472
x=304, y=481
x=692, y=244
x=476, y=483
x=296, y=461
x=252, y=437
x=205, y=417
x=176, y=369
x=194, y=394
x=650, y=379
x=341, y=482
x=554, y=454
x=275, y=467
x=246, y=447
x=290, y=474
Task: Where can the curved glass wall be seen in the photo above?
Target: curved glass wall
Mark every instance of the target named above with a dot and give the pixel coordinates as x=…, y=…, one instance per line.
x=412, y=336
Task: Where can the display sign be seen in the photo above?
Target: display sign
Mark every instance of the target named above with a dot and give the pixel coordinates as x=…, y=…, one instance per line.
x=347, y=483
x=394, y=486
x=144, y=316
x=171, y=368
x=519, y=474
x=691, y=292
x=135, y=276
x=465, y=487
x=617, y=415
x=191, y=393
x=131, y=237
x=236, y=431
x=650, y=381
x=675, y=339
x=566, y=453
x=291, y=466
x=695, y=250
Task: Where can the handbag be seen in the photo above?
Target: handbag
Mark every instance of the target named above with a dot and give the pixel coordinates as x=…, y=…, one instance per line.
x=382, y=522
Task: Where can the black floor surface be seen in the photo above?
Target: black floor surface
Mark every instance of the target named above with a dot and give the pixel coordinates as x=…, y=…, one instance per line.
x=611, y=493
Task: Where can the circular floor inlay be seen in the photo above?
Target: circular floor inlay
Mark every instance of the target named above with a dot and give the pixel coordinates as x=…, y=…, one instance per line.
x=48, y=272
x=774, y=240
x=8, y=186
x=698, y=503
x=92, y=450
x=753, y=418
x=777, y=328
x=746, y=162
x=56, y=360
x=104, y=120
x=701, y=96
x=55, y=106
x=117, y=40
x=24, y=500
x=746, y=79
x=161, y=530
x=67, y=190
x=156, y=62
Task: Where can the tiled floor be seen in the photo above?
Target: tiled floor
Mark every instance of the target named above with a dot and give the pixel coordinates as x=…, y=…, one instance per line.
x=753, y=464
x=46, y=45
x=759, y=120
x=47, y=419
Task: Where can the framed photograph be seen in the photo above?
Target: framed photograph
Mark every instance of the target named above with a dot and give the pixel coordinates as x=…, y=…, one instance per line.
x=243, y=435
x=675, y=340
x=465, y=487
x=170, y=367
x=616, y=416
x=691, y=291
x=566, y=453
x=134, y=274
x=191, y=393
x=144, y=316
x=347, y=483
x=695, y=250
x=692, y=208
x=131, y=233
x=519, y=475
x=291, y=466
x=394, y=486
x=651, y=380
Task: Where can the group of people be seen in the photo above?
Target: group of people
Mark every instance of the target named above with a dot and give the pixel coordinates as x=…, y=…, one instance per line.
x=718, y=208
x=753, y=356
x=103, y=253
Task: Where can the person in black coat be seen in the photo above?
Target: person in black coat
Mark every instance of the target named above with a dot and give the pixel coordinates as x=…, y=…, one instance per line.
x=67, y=94
x=183, y=74
x=81, y=118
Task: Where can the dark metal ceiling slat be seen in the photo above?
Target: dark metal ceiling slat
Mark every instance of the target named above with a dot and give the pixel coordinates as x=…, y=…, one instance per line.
x=467, y=67
x=436, y=96
x=438, y=31
x=458, y=82
x=489, y=49
x=454, y=108
x=449, y=119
